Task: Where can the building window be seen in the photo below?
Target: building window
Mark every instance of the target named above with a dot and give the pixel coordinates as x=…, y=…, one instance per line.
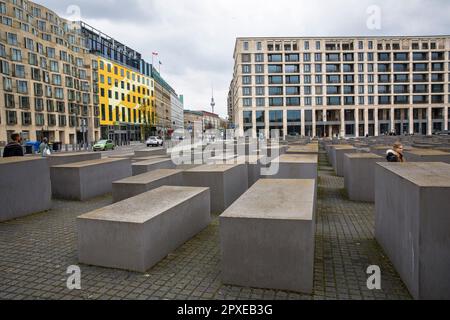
x=275, y=102
x=317, y=45
x=246, y=91
x=259, y=91
x=292, y=101
x=247, y=102
x=246, y=80
x=259, y=79
x=246, y=58
x=259, y=68
x=260, y=102
x=259, y=57
x=246, y=46
x=11, y=117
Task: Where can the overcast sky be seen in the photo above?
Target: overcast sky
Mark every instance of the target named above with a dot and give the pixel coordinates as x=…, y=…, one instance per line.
x=195, y=38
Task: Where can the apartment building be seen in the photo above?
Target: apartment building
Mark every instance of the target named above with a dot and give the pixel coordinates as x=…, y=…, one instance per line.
x=346, y=86
x=45, y=76
x=163, y=105
x=124, y=86
x=177, y=111
x=207, y=120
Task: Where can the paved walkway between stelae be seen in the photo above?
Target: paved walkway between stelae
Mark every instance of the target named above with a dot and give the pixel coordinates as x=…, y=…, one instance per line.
x=35, y=252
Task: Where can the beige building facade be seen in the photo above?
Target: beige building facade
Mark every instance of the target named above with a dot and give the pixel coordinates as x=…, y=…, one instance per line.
x=45, y=77
x=343, y=86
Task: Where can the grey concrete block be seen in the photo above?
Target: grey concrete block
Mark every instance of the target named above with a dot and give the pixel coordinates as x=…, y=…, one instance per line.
x=137, y=233
x=227, y=183
x=296, y=166
x=267, y=236
x=152, y=164
x=88, y=179
x=412, y=224
x=132, y=186
x=427, y=155
x=25, y=187
x=57, y=159
x=306, y=149
x=339, y=159
x=150, y=152
x=359, y=175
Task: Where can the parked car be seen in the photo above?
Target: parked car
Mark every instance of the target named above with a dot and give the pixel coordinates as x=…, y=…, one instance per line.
x=104, y=145
x=154, y=141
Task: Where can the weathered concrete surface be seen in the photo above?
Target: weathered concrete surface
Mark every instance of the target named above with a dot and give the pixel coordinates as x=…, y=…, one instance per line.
x=339, y=158
x=152, y=164
x=150, y=152
x=253, y=164
x=295, y=166
x=87, y=179
x=57, y=159
x=132, y=186
x=331, y=150
x=267, y=236
x=359, y=175
x=412, y=223
x=137, y=233
x=306, y=149
x=25, y=187
x=427, y=155
x=227, y=183
x=380, y=150
x=272, y=151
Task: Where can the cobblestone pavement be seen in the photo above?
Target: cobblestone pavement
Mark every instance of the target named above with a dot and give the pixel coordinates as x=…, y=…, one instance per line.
x=35, y=252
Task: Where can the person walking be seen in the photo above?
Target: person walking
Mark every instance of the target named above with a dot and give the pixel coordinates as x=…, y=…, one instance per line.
x=396, y=153
x=44, y=149
x=14, y=148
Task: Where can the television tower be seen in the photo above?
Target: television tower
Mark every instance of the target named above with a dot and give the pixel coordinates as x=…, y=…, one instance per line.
x=213, y=103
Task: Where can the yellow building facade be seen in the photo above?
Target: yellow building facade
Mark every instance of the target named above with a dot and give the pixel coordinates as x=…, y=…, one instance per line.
x=127, y=102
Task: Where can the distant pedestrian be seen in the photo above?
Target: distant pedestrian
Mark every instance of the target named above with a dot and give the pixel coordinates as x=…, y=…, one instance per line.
x=396, y=154
x=44, y=149
x=14, y=148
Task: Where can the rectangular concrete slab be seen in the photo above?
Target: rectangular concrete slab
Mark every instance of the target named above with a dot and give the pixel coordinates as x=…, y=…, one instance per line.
x=295, y=166
x=25, y=187
x=152, y=164
x=132, y=186
x=227, y=183
x=88, y=179
x=64, y=158
x=150, y=152
x=412, y=223
x=307, y=149
x=359, y=175
x=267, y=236
x=137, y=233
x=339, y=159
x=427, y=155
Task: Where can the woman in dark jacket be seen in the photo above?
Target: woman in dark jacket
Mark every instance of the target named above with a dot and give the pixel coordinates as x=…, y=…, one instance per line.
x=395, y=155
